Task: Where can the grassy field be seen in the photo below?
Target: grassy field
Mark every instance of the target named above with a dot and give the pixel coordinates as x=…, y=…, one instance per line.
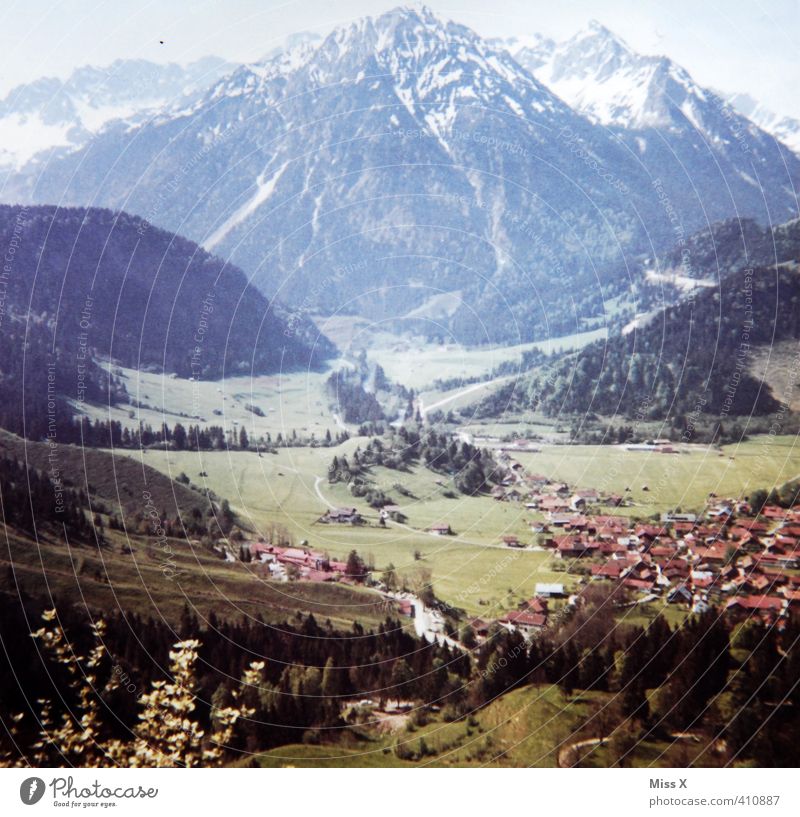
x=289, y=401
x=673, y=480
x=417, y=363
x=669, y=753
x=135, y=572
x=471, y=570
x=298, y=401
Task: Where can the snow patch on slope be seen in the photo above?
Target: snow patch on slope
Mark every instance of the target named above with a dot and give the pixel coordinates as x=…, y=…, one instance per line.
x=264, y=189
x=676, y=279
x=22, y=137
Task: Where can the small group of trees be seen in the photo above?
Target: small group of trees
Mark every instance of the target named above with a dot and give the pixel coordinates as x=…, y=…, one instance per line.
x=33, y=502
x=360, y=393
x=473, y=469
x=356, y=404
x=356, y=568
x=786, y=496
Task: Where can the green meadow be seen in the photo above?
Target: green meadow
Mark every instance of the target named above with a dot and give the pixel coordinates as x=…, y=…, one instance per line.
x=472, y=569
x=660, y=482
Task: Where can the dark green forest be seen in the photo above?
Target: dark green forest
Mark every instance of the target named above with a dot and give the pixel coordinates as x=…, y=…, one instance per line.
x=736, y=689
x=691, y=358
x=87, y=285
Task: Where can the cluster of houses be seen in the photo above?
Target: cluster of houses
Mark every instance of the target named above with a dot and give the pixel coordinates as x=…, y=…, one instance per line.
x=285, y=563
x=530, y=616
x=726, y=557
x=539, y=493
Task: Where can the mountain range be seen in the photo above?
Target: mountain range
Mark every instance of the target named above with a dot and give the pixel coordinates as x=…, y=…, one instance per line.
x=404, y=161
x=784, y=128
x=50, y=114
x=598, y=74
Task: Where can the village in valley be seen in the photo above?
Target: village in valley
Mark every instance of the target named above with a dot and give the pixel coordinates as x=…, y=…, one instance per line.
x=730, y=555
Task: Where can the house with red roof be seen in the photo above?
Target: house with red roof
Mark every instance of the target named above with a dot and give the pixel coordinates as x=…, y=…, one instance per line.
x=523, y=621
x=612, y=569
x=749, y=605
x=571, y=547
x=789, y=560
x=553, y=504
x=536, y=604
x=642, y=585
x=773, y=512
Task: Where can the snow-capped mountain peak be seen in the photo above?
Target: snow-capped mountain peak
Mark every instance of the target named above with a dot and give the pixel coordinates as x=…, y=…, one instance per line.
x=784, y=128
x=599, y=74
x=52, y=113
x=432, y=66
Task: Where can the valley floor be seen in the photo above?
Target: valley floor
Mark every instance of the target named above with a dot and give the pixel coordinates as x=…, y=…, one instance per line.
x=472, y=569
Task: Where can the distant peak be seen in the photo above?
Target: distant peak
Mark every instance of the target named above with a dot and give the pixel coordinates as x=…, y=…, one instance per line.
x=598, y=28
x=420, y=10
x=414, y=14
x=597, y=31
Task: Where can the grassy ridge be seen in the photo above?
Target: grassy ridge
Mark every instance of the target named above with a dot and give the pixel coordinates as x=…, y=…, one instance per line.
x=118, y=481
x=139, y=573
x=105, y=579
x=525, y=727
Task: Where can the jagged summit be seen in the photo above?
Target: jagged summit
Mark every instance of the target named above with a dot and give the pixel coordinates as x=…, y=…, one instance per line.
x=425, y=159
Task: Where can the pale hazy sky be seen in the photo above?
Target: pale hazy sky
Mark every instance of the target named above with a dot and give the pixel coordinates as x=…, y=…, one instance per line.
x=738, y=45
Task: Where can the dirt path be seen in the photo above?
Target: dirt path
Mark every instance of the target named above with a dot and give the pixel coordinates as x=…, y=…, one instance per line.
x=567, y=754
x=317, y=483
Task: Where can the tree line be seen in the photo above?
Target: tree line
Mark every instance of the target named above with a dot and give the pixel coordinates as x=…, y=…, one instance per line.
x=311, y=668
x=32, y=502
x=733, y=688
x=691, y=359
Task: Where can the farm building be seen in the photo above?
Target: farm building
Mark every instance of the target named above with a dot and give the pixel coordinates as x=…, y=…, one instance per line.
x=342, y=516
x=550, y=591
x=523, y=621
